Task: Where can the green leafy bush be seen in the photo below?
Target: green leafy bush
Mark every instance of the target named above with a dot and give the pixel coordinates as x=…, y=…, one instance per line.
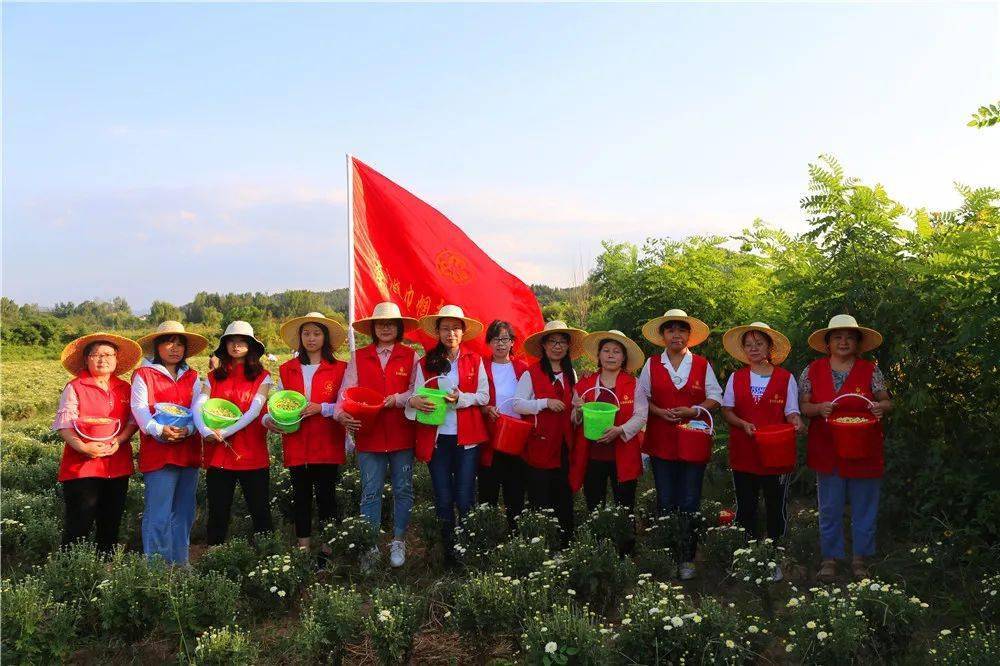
x=36, y=628
x=331, y=618
x=395, y=617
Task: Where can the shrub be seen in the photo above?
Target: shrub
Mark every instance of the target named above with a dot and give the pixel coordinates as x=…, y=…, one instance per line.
x=988, y=598
x=547, y=586
x=133, y=598
x=518, y=557
x=72, y=573
x=488, y=604
x=228, y=646
x=395, y=617
x=29, y=525
x=276, y=580
x=233, y=559
x=542, y=524
x=597, y=573
x=802, y=538
x=566, y=634
x=479, y=533
x=36, y=628
x=892, y=615
x=975, y=646
x=753, y=566
x=349, y=541
x=612, y=522
x=826, y=628
x=331, y=618
x=198, y=602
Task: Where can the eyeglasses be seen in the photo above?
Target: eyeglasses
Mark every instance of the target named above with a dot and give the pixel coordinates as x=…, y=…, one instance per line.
x=556, y=342
x=503, y=341
x=102, y=357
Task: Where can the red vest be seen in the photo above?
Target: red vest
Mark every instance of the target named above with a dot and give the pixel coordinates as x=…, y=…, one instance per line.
x=319, y=439
x=154, y=454
x=628, y=455
x=544, y=447
x=822, y=453
x=661, y=435
x=769, y=410
x=486, y=454
x=250, y=442
x=392, y=431
x=471, y=426
x=95, y=402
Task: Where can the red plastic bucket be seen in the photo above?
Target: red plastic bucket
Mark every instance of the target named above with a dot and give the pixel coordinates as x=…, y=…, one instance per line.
x=99, y=429
x=726, y=516
x=852, y=437
x=363, y=404
x=693, y=444
x=510, y=434
x=776, y=445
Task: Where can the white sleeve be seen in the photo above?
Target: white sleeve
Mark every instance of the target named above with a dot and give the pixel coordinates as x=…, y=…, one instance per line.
x=643, y=384
x=641, y=412
x=200, y=398
x=140, y=408
x=252, y=412
x=418, y=380
x=792, y=397
x=524, y=397
x=712, y=389
x=482, y=394
x=729, y=399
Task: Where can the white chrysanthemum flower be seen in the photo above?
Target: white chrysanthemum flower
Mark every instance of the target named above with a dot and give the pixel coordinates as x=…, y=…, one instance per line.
x=551, y=647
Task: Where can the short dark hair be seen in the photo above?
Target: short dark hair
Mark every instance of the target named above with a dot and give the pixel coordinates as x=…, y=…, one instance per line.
x=169, y=337
x=600, y=346
x=397, y=322
x=497, y=327
x=684, y=326
x=853, y=331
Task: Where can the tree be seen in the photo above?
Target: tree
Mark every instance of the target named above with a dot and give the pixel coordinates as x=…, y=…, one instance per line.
x=986, y=116
x=161, y=311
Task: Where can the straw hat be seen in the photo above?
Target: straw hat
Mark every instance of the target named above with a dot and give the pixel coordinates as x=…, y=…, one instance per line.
x=386, y=311
x=129, y=352
x=289, y=331
x=428, y=324
x=699, y=329
x=195, y=343
x=732, y=340
x=533, y=343
x=239, y=328
x=870, y=338
x=591, y=346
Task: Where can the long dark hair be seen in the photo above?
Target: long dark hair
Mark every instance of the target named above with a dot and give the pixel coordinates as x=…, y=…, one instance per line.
x=252, y=367
x=600, y=346
x=565, y=364
x=437, y=358
x=325, y=352
x=399, y=329
x=169, y=337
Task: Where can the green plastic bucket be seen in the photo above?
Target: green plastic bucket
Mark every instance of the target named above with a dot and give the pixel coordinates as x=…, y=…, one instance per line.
x=213, y=410
x=436, y=396
x=285, y=407
x=597, y=418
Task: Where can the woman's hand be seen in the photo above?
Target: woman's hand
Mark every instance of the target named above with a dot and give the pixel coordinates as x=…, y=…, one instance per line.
x=452, y=397
x=555, y=405
x=421, y=404
x=216, y=436
x=748, y=428
x=825, y=409
x=173, y=433
x=351, y=424
x=611, y=434
x=681, y=413
x=878, y=409
x=796, y=421
x=492, y=413
x=577, y=400
x=312, y=408
x=111, y=448
x=390, y=400
x=268, y=423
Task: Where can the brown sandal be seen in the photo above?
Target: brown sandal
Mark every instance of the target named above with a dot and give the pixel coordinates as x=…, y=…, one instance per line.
x=858, y=569
x=827, y=571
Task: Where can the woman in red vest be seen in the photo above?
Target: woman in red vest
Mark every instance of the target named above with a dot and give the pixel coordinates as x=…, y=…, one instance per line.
x=451, y=450
x=314, y=453
x=237, y=453
x=545, y=393
x=841, y=480
x=387, y=367
x=498, y=469
x=169, y=456
x=94, y=421
x=676, y=382
x=761, y=393
x=614, y=458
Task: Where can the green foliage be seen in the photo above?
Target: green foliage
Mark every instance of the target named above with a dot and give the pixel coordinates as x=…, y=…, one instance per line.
x=479, y=534
x=274, y=584
x=228, y=646
x=198, y=602
x=233, y=559
x=973, y=646
x=566, y=634
x=597, y=574
x=331, y=618
x=134, y=597
x=395, y=617
x=985, y=116
x=487, y=605
x=37, y=629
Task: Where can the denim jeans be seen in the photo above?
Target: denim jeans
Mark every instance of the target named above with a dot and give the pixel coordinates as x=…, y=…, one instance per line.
x=453, y=475
x=373, y=468
x=678, y=488
x=169, y=512
x=834, y=492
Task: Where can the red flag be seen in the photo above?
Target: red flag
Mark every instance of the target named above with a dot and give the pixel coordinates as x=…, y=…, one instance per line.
x=407, y=252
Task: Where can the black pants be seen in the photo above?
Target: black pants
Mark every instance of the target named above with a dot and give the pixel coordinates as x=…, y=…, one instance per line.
x=318, y=479
x=595, y=485
x=549, y=489
x=749, y=488
x=91, y=500
x=221, y=484
x=507, y=474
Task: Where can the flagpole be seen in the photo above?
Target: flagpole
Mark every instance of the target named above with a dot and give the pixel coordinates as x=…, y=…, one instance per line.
x=350, y=252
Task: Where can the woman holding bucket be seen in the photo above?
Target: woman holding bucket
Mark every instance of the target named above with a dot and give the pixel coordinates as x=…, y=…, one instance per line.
x=843, y=382
x=313, y=448
x=499, y=469
x=545, y=393
x=385, y=367
x=613, y=456
x=450, y=444
x=94, y=421
x=169, y=448
x=758, y=397
x=682, y=389
x=237, y=452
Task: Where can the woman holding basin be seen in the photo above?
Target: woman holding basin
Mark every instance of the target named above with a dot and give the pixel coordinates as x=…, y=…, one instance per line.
x=163, y=390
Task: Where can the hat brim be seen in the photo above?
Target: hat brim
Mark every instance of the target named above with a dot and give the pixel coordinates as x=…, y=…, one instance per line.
x=428, y=325
x=533, y=343
x=257, y=343
x=733, y=344
x=289, y=331
x=591, y=343
x=129, y=353
x=699, y=330
x=870, y=338
x=196, y=344
x=363, y=326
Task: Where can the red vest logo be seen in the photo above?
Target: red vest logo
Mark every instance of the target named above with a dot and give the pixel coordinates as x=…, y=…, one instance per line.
x=453, y=266
x=328, y=387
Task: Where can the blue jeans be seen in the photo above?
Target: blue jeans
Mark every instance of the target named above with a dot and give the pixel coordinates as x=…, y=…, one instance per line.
x=834, y=492
x=453, y=475
x=169, y=512
x=373, y=467
x=678, y=485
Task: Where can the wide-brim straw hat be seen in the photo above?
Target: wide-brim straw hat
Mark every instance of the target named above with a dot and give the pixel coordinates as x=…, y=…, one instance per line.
x=240, y=328
x=533, y=343
x=732, y=341
x=592, y=343
x=290, y=330
x=129, y=352
x=387, y=311
x=473, y=327
x=195, y=343
x=870, y=338
x=699, y=329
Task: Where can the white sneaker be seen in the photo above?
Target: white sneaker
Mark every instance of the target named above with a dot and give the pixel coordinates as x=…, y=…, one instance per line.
x=687, y=571
x=397, y=553
x=370, y=559
x=777, y=576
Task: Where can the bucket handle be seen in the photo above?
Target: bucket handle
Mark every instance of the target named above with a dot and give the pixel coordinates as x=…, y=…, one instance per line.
x=853, y=395
x=711, y=421
x=599, y=388
x=512, y=400
x=99, y=439
x=433, y=378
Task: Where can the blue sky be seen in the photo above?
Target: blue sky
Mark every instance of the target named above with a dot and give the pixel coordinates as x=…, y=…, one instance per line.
x=152, y=151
